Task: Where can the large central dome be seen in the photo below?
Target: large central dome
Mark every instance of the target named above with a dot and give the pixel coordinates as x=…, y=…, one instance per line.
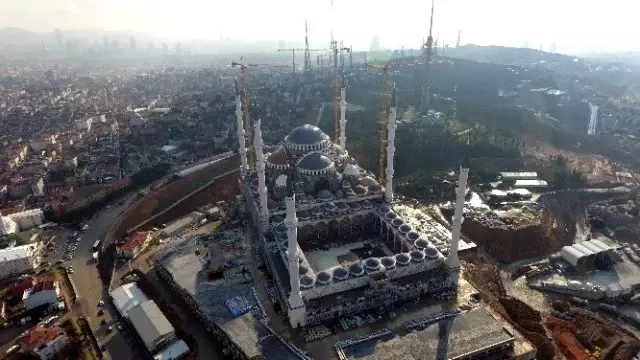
x=307, y=137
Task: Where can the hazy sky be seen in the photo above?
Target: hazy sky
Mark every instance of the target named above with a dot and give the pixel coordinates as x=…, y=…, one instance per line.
x=575, y=25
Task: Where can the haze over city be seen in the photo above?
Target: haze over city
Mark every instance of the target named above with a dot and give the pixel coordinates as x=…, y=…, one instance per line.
x=576, y=26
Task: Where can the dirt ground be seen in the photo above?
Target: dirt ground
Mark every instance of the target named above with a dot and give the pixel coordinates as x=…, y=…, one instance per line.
x=595, y=167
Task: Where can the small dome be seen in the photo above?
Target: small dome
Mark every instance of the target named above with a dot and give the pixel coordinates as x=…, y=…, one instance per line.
x=302, y=270
x=323, y=277
x=405, y=228
x=374, y=188
x=413, y=236
x=397, y=222
x=360, y=190
x=317, y=211
x=306, y=282
x=309, y=197
x=314, y=162
x=356, y=269
x=372, y=263
x=367, y=204
x=304, y=215
x=342, y=206
x=431, y=252
x=383, y=209
x=340, y=273
x=367, y=180
x=403, y=259
x=355, y=206
x=346, y=184
x=330, y=207
x=421, y=243
x=351, y=170
x=281, y=181
x=416, y=255
x=388, y=262
x=390, y=215
x=325, y=194
x=306, y=135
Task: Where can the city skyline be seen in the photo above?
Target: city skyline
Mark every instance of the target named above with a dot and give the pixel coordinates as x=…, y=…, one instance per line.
x=576, y=27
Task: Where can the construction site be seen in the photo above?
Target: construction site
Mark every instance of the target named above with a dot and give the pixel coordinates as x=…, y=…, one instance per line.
x=324, y=261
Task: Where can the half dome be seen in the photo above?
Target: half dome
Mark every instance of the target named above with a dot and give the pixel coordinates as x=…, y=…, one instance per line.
x=413, y=236
x=405, y=228
x=314, y=163
x=351, y=170
x=367, y=204
x=278, y=159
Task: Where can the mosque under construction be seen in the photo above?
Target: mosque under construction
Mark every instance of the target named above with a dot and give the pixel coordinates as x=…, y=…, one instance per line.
x=329, y=234
x=334, y=248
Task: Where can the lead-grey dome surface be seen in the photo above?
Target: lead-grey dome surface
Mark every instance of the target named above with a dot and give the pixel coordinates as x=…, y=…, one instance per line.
x=315, y=161
x=306, y=135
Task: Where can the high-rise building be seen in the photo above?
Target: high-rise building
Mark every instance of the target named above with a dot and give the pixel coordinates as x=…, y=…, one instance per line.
x=375, y=43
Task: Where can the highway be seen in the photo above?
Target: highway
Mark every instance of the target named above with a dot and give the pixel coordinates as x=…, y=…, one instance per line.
x=90, y=287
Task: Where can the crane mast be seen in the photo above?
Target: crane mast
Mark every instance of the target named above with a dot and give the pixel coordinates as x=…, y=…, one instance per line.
x=336, y=90
x=428, y=50
x=384, y=118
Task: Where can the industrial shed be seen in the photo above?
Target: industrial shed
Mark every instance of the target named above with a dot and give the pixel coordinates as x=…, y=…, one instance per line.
x=152, y=326
x=584, y=253
x=126, y=297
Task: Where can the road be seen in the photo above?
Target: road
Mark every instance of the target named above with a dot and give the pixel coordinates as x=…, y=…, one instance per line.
x=90, y=287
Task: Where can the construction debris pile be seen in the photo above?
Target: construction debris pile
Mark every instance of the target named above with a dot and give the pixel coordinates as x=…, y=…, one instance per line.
x=582, y=334
x=512, y=235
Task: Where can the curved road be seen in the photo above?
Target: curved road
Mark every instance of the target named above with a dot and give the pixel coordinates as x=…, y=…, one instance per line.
x=90, y=287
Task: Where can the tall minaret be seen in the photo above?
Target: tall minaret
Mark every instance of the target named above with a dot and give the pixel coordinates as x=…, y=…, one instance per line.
x=242, y=149
x=296, y=305
x=262, y=184
x=391, y=147
x=452, y=260
x=343, y=118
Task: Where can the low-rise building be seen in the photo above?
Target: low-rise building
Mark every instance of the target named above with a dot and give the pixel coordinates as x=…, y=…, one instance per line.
x=126, y=297
x=135, y=244
x=18, y=260
x=43, y=293
x=151, y=325
x=174, y=351
x=44, y=342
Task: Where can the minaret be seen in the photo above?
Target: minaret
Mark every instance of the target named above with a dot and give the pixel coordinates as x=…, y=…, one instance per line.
x=242, y=149
x=452, y=260
x=262, y=184
x=296, y=305
x=391, y=147
x=343, y=118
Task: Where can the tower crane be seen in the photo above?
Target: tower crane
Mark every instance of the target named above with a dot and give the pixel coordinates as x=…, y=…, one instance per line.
x=293, y=58
x=248, y=125
x=384, y=118
x=428, y=50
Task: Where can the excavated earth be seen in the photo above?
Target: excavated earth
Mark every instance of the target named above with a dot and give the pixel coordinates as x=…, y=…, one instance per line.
x=579, y=335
